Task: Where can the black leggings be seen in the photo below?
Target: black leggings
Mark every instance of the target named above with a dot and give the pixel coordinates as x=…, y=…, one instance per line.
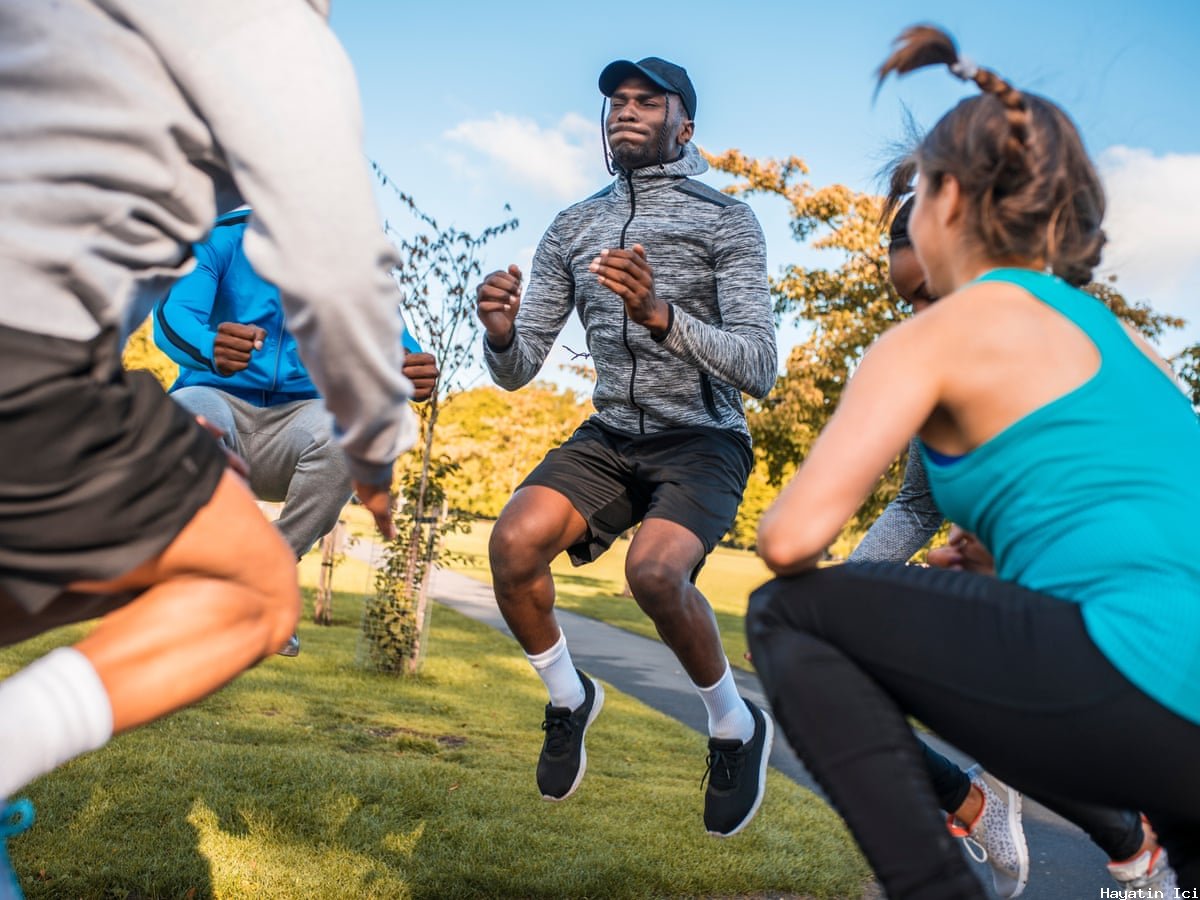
x=1118, y=832
x=1006, y=674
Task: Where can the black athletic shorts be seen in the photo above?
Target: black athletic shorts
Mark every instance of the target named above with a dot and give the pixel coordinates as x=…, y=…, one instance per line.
x=693, y=477
x=99, y=472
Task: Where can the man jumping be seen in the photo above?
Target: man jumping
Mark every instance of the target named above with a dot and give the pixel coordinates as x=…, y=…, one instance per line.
x=669, y=278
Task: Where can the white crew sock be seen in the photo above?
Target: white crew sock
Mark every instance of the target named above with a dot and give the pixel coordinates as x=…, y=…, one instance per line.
x=728, y=716
x=52, y=711
x=558, y=673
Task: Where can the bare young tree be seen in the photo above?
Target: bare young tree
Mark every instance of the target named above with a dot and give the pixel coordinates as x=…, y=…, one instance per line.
x=437, y=274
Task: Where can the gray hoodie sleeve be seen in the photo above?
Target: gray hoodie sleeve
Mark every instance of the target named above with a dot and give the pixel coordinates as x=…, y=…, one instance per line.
x=908, y=522
x=546, y=305
x=741, y=351
x=280, y=98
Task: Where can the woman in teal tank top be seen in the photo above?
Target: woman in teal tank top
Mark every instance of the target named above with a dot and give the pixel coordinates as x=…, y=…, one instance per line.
x=907, y=523
x=1058, y=437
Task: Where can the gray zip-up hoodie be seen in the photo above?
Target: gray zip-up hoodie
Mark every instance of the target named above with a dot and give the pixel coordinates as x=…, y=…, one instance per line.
x=126, y=125
x=709, y=261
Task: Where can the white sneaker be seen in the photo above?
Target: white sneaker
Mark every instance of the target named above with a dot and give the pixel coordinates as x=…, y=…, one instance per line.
x=1148, y=871
x=996, y=837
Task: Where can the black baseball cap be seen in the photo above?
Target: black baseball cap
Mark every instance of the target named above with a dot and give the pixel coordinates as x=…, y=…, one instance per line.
x=668, y=76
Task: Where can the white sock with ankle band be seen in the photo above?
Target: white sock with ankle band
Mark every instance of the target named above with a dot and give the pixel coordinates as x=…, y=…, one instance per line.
x=558, y=673
x=728, y=716
x=53, y=710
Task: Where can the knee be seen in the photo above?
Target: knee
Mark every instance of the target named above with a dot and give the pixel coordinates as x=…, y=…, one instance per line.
x=318, y=452
x=759, y=607
x=513, y=551
x=780, y=603
x=323, y=446
x=658, y=585
x=209, y=403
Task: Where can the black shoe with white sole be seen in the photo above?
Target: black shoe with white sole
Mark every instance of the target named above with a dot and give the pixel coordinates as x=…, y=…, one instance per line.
x=737, y=776
x=563, y=760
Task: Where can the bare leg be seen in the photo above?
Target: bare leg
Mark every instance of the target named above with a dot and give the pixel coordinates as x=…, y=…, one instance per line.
x=537, y=524
x=659, y=566
x=220, y=598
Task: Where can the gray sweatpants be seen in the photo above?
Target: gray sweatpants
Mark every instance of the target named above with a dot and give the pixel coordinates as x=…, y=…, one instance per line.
x=292, y=454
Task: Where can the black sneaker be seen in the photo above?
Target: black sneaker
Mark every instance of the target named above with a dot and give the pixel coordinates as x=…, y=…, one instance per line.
x=563, y=761
x=737, y=775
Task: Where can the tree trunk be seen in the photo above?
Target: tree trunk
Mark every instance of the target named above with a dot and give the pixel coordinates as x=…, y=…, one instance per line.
x=323, y=605
x=424, y=607
x=416, y=575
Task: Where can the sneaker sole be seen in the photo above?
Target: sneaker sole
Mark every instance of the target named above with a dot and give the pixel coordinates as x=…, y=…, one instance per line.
x=597, y=702
x=768, y=740
x=1014, y=799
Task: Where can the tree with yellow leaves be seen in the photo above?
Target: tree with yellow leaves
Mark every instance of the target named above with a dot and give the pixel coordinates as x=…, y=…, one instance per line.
x=140, y=353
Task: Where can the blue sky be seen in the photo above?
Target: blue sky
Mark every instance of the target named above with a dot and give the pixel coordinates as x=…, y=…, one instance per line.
x=472, y=105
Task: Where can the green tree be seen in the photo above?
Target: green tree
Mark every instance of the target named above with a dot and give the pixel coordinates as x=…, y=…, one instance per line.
x=848, y=303
x=1187, y=365
x=496, y=437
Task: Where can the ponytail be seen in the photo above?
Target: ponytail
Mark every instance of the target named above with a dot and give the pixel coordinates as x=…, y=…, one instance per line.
x=1018, y=158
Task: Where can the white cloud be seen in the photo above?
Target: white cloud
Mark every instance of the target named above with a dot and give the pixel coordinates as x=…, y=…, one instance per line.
x=559, y=161
x=1153, y=225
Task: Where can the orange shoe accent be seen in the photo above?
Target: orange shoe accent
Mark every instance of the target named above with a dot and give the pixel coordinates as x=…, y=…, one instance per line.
x=956, y=829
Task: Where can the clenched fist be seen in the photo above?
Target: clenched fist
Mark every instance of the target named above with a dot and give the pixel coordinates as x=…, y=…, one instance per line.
x=628, y=275
x=233, y=345
x=422, y=370
x=496, y=303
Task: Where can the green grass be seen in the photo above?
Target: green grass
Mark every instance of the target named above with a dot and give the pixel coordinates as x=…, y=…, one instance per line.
x=594, y=590
x=310, y=778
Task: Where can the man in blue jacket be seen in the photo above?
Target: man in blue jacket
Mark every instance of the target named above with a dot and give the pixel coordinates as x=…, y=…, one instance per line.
x=240, y=369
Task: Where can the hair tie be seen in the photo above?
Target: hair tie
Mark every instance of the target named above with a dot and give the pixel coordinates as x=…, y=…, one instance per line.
x=964, y=67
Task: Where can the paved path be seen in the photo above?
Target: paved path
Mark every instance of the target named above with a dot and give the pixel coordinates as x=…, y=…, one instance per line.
x=1064, y=864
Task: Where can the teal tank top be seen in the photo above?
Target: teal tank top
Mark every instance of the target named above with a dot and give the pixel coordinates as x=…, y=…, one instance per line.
x=1095, y=498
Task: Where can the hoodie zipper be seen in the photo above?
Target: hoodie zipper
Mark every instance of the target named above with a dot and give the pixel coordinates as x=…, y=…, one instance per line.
x=625, y=313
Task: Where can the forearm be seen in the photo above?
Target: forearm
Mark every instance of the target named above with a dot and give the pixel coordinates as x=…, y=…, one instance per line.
x=361, y=382
x=744, y=356
x=899, y=532
x=516, y=364
x=908, y=522
x=741, y=350
x=347, y=330
x=191, y=348
x=515, y=358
